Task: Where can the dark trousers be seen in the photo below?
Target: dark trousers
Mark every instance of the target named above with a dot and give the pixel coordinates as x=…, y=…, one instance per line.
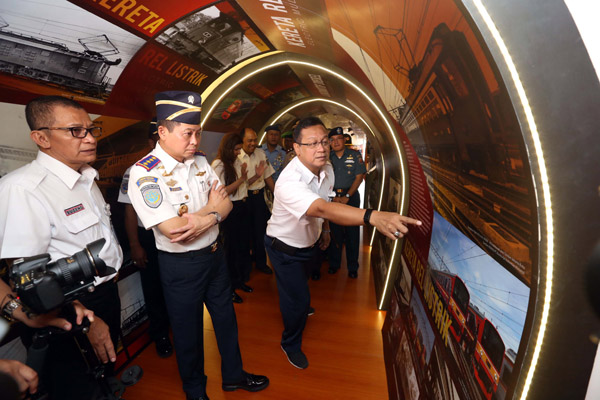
x=191, y=280
x=152, y=288
x=291, y=272
x=259, y=215
x=348, y=235
x=236, y=232
x=65, y=374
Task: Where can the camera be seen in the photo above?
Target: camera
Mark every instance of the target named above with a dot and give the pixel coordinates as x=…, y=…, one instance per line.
x=44, y=286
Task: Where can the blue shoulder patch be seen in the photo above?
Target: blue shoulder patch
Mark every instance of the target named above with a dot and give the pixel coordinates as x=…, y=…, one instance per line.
x=148, y=162
x=200, y=153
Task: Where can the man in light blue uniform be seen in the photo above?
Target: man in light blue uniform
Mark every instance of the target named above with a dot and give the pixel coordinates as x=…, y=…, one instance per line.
x=349, y=170
x=273, y=150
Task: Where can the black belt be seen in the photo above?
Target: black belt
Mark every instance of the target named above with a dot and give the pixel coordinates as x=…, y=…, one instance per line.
x=193, y=253
x=286, y=248
x=341, y=192
x=255, y=192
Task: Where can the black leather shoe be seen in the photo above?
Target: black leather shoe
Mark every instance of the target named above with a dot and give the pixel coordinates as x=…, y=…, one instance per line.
x=298, y=359
x=353, y=274
x=164, y=348
x=316, y=276
x=188, y=397
x=236, y=298
x=332, y=270
x=246, y=288
x=252, y=383
x=265, y=269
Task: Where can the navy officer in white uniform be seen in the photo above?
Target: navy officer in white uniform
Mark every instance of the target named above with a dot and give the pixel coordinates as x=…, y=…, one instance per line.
x=177, y=194
x=299, y=223
x=53, y=205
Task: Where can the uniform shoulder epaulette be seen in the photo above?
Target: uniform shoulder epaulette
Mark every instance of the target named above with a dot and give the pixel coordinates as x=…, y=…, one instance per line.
x=148, y=162
x=200, y=153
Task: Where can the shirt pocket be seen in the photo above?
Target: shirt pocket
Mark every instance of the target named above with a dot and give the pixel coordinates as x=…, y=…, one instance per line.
x=81, y=220
x=204, y=191
x=179, y=197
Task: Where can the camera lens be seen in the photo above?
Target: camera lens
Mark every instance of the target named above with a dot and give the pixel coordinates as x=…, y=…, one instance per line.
x=81, y=266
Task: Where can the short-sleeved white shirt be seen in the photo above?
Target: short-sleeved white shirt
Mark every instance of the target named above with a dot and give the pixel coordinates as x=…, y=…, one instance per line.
x=159, y=189
x=47, y=207
x=123, y=196
x=242, y=191
x=252, y=161
x=296, y=189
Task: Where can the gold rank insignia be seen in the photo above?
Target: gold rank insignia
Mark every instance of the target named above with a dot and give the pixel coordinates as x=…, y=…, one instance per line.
x=161, y=167
x=171, y=182
x=167, y=174
x=182, y=210
x=201, y=173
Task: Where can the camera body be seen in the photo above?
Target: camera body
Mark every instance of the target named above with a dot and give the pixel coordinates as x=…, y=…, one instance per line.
x=44, y=286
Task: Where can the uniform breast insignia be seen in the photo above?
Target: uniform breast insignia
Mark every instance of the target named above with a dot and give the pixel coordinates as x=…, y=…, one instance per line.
x=152, y=195
x=171, y=183
x=146, y=179
x=148, y=162
x=200, y=173
x=182, y=210
x=73, y=210
x=176, y=189
x=167, y=173
x=160, y=167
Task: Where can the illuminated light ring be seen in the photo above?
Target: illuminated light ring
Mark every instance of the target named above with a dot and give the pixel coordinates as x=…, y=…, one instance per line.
x=537, y=144
x=380, y=200
x=274, y=120
x=362, y=92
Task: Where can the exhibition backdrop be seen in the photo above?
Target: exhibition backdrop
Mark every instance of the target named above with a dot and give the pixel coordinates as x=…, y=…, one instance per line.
x=459, y=309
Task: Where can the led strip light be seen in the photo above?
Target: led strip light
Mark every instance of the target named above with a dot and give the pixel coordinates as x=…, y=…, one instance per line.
x=373, y=104
x=544, y=184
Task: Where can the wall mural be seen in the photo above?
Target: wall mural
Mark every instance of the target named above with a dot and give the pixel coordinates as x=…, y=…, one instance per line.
x=457, y=314
x=48, y=49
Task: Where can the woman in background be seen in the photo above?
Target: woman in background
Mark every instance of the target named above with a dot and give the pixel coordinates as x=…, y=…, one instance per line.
x=233, y=175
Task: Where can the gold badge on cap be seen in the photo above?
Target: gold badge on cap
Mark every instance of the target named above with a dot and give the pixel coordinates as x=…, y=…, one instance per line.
x=182, y=210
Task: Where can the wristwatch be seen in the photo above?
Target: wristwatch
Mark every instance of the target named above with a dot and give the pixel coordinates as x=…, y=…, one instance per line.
x=217, y=216
x=10, y=307
x=347, y=195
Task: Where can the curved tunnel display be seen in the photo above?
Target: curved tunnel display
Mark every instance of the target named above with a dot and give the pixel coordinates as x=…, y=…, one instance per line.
x=471, y=125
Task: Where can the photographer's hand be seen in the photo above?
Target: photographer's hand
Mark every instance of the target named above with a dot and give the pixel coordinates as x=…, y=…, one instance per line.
x=99, y=337
x=26, y=378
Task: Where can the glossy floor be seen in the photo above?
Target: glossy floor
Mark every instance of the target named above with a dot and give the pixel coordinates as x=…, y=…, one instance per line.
x=342, y=341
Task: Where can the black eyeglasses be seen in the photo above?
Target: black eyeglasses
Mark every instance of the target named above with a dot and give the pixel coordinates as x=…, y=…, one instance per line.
x=313, y=145
x=78, y=131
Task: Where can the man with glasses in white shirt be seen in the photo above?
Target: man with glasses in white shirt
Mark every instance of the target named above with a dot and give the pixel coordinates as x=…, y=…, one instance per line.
x=300, y=223
x=53, y=205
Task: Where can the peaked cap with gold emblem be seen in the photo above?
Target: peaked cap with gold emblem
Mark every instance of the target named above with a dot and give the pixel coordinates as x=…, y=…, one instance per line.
x=178, y=106
x=336, y=131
